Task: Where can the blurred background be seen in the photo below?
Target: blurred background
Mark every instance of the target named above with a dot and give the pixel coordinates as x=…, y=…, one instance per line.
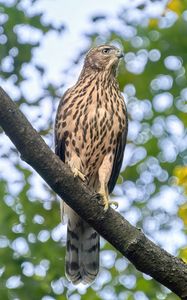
x=42, y=47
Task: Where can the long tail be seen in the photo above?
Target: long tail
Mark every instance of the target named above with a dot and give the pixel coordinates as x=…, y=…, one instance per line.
x=82, y=252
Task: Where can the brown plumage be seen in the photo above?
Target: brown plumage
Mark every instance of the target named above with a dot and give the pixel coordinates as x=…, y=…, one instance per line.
x=90, y=136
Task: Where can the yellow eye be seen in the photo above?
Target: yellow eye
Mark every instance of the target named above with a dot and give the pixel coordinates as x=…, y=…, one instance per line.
x=106, y=50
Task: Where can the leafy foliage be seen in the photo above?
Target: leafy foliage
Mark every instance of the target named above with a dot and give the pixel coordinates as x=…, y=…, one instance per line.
x=154, y=82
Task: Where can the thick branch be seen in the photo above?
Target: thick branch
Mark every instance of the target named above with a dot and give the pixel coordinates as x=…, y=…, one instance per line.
x=130, y=241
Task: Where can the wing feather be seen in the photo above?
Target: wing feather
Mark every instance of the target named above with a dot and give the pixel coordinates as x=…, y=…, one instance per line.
x=60, y=148
x=60, y=143
x=118, y=159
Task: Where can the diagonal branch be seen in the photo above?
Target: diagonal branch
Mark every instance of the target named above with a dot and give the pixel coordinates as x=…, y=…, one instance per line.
x=130, y=241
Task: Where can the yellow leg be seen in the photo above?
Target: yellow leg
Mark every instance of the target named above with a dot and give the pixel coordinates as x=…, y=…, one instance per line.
x=104, y=176
x=105, y=200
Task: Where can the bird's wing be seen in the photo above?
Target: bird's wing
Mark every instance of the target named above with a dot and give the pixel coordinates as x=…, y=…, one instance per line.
x=60, y=143
x=60, y=148
x=118, y=159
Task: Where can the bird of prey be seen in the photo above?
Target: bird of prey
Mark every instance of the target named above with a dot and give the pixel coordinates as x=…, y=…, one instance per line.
x=90, y=137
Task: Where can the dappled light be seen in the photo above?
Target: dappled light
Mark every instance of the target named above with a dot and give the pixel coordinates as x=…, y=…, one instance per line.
x=37, y=66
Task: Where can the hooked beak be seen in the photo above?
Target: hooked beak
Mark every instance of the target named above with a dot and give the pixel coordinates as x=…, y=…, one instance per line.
x=119, y=54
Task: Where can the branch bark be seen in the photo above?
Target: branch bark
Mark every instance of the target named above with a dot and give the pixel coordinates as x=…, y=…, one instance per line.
x=146, y=256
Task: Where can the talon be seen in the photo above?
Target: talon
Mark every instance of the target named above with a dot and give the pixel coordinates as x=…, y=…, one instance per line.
x=114, y=203
x=104, y=200
x=106, y=206
x=77, y=173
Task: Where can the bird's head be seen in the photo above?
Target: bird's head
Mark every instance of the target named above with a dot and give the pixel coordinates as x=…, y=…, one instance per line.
x=104, y=57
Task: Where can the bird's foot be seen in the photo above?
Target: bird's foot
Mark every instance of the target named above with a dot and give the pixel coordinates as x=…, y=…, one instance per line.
x=113, y=203
x=106, y=202
x=76, y=172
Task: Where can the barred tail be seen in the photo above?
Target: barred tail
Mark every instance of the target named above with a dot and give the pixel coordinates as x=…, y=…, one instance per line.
x=82, y=252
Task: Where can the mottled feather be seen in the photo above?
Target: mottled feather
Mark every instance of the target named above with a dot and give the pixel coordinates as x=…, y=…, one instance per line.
x=90, y=136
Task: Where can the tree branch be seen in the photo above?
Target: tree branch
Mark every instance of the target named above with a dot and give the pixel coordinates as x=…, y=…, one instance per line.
x=130, y=241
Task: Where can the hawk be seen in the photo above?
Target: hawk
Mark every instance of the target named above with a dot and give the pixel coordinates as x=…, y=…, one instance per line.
x=90, y=137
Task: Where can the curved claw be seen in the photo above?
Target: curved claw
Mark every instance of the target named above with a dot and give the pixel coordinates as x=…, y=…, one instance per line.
x=114, y=203
x=80, y=175
x=104, y=200
x=77, y=173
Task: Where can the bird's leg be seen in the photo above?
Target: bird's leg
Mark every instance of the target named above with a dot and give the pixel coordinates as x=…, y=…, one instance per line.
x=77, y=173
x=104, y=175
x=74, y=164
x=105, y=199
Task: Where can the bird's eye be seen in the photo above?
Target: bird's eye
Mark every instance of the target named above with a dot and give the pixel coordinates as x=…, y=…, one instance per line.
x=106, y=50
